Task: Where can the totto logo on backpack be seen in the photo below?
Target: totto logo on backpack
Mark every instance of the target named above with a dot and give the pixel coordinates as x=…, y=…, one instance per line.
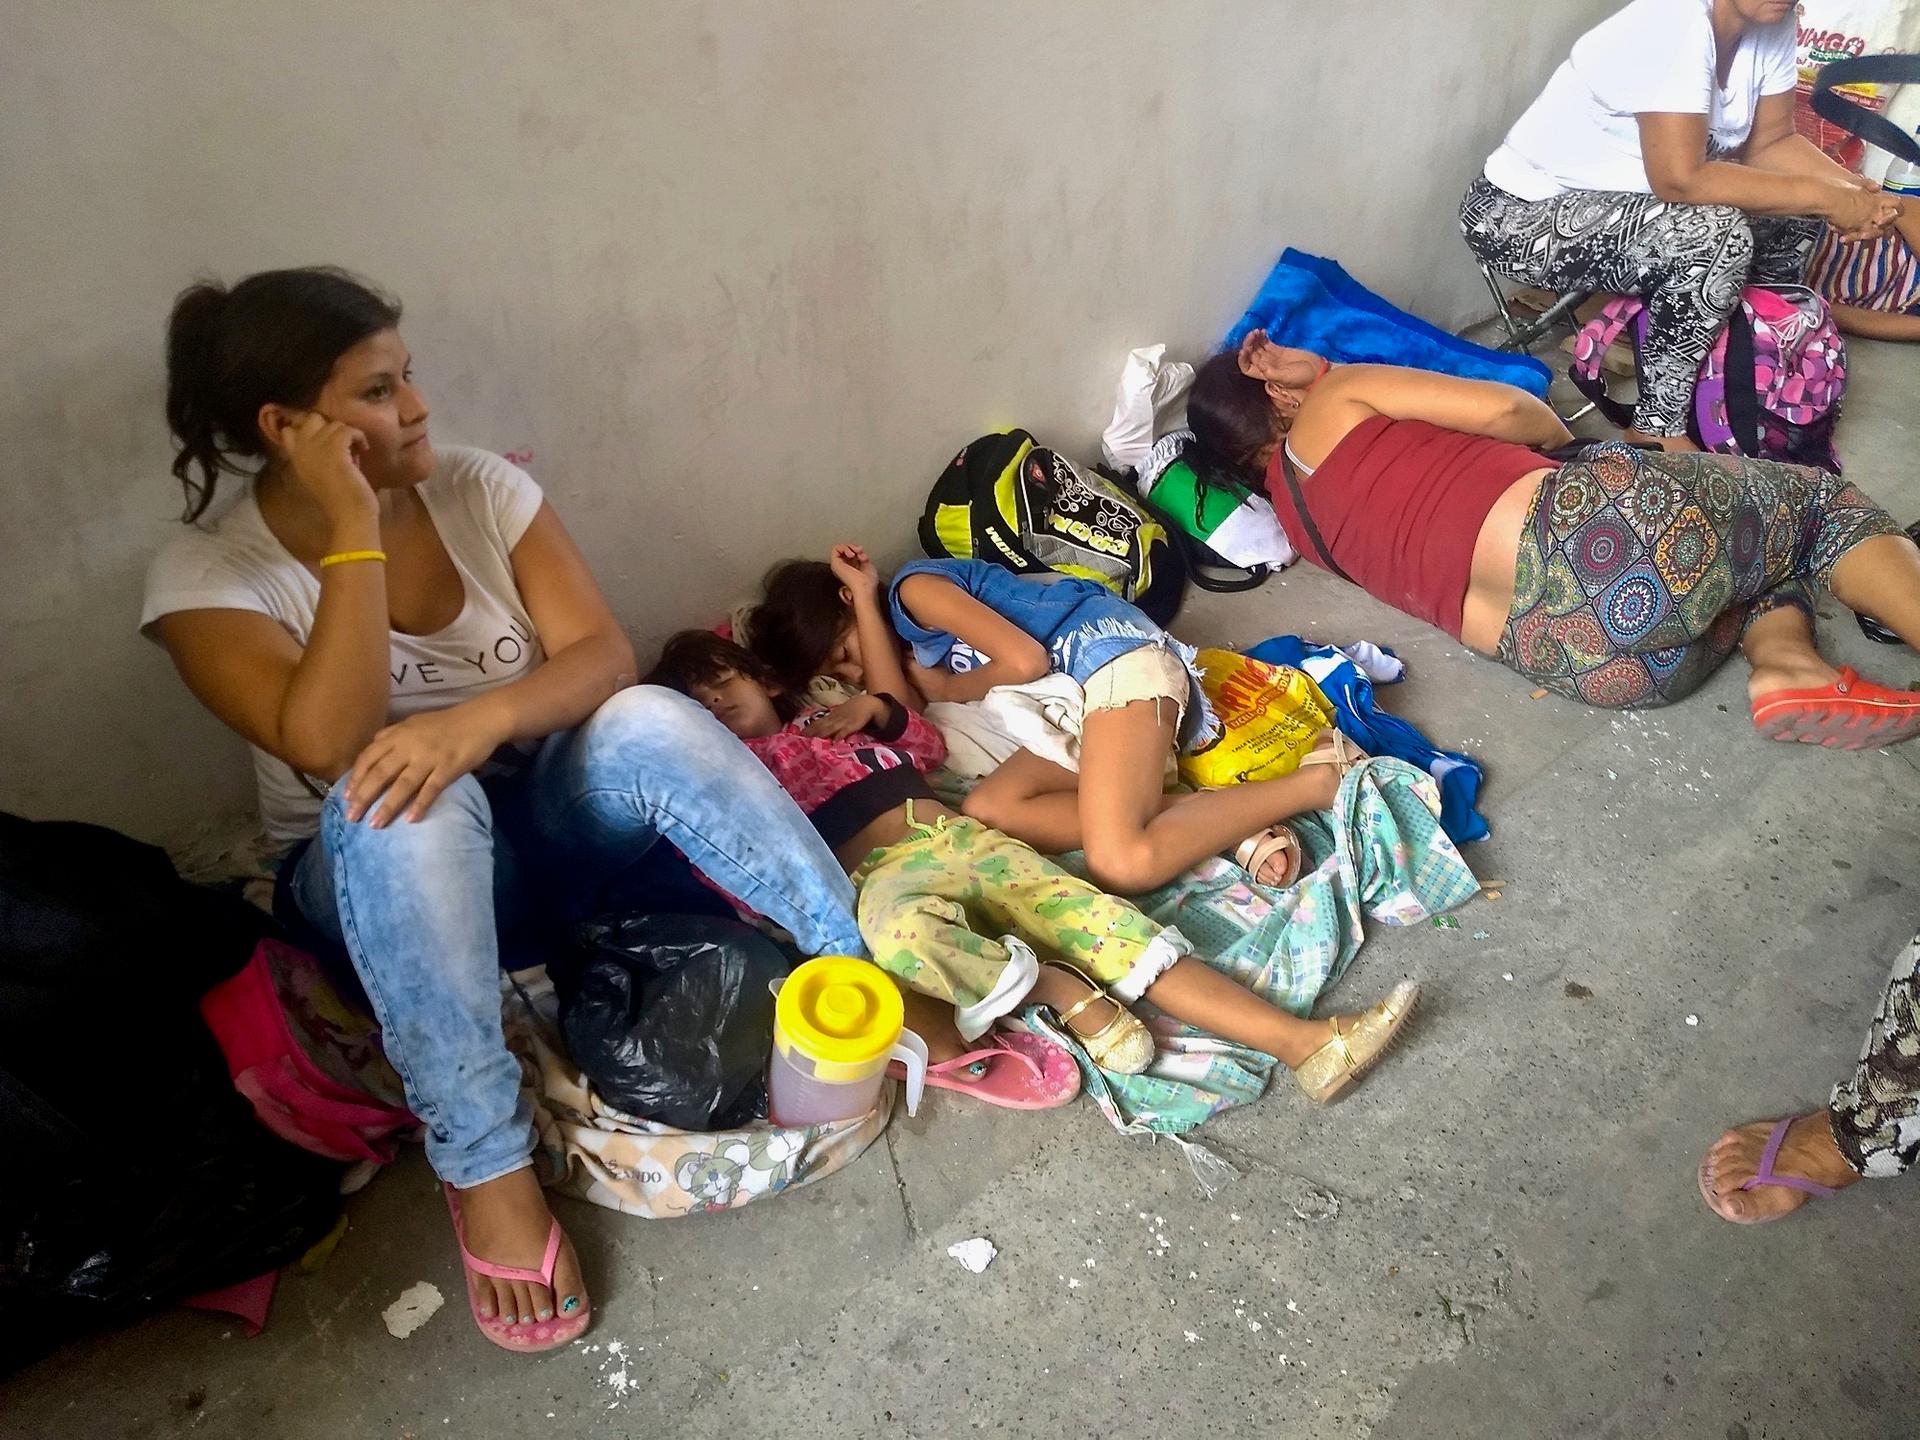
x=1770, y=388
x=1029, y=509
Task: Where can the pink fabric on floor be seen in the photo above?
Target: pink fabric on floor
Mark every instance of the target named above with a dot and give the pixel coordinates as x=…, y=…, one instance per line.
x=248, y=1300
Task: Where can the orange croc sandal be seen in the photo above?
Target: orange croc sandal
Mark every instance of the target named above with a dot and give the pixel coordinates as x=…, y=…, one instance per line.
x=1850, y=714
x=526, y=1339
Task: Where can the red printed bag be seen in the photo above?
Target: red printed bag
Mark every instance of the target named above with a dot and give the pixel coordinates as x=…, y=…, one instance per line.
x=310, y=1066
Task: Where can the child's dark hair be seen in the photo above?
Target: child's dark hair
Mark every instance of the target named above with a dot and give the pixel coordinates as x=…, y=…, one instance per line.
x=700, y=657
x=272, y=339
x=1231, y=417
x=799, y=621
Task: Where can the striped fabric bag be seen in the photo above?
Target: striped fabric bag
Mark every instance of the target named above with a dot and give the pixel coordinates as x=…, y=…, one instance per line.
x=1881, y=274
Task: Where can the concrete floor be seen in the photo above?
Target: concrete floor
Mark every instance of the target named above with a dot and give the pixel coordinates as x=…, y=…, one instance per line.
x=1519, y=1250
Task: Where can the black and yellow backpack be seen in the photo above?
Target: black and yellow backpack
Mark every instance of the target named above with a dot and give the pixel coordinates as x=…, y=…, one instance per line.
x=1030, y=509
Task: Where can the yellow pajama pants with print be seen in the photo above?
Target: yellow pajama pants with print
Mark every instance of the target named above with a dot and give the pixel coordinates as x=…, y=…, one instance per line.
x=929, y=905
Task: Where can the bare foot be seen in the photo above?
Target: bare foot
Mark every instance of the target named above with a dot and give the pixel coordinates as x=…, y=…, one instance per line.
x=1808, y=1153
x=1812, y=673
x=507, y=1223
x=932, y=1020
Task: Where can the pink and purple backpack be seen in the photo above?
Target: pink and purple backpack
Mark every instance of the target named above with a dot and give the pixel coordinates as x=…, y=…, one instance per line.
x=1770, y=388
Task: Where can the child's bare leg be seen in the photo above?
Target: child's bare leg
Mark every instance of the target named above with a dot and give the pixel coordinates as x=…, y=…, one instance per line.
x=1030, y=799
x=1136, y=837
x=1193, y=991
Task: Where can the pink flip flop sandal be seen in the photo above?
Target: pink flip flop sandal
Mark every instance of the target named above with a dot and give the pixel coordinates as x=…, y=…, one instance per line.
x=1766, y=1175
x=525, y=1339
x=1850, y=714
x=1023, y=1072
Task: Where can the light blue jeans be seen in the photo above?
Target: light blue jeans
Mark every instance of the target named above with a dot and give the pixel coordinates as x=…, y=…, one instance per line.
x=415, y=904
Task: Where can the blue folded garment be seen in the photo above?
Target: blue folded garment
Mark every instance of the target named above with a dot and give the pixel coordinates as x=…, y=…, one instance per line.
x=1312, y=304
x=1379, y=733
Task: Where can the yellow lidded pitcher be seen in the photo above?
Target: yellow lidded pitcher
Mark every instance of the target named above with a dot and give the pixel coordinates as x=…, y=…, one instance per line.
x=837, y=1021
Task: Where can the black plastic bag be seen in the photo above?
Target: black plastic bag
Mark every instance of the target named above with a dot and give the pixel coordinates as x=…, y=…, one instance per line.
x=135, y=1174
x=670, y=1016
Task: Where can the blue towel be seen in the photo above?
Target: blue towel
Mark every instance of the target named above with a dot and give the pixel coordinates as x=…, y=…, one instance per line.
x=1379, y=733
x=1311, y=303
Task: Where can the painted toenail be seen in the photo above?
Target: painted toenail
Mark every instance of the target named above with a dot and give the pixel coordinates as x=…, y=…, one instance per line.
x=546, y=1314
x=526, y=1319
x=570, y=1304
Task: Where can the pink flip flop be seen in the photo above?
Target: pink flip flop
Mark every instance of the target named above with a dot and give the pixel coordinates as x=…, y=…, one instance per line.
x=1023, y=1072
x=1850, y=714
x=1766, y=1175
x=526, y=1339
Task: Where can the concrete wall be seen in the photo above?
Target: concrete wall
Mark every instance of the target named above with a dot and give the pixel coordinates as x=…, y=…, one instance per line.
x=741, y=276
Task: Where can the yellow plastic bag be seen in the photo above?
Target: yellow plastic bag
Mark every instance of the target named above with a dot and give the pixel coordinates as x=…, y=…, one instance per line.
x=1269, y=716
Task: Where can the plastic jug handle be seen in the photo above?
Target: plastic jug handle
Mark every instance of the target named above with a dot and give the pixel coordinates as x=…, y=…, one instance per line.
x=911, y=1051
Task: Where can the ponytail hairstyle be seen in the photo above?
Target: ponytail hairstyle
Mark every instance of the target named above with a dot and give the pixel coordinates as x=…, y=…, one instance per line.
x=272, y=339
x=1232, y=417
x=799, y=620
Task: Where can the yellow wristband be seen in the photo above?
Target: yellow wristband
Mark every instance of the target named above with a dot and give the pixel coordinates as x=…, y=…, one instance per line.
x=346, y=556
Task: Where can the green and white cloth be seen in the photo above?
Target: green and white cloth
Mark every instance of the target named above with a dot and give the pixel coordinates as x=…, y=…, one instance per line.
x=1378, y=852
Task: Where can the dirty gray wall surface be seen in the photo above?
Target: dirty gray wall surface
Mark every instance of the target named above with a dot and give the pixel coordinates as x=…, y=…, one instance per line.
x=739, y=276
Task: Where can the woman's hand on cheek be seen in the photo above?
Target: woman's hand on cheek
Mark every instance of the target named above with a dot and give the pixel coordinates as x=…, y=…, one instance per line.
x=323, y=455
x=406, y=766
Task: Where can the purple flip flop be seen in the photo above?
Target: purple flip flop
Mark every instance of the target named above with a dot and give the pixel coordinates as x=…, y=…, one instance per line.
x=1766, y=1175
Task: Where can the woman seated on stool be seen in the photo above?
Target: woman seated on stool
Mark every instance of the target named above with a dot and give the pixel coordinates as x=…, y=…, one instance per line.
x=1621, y=579
x=1661, y=161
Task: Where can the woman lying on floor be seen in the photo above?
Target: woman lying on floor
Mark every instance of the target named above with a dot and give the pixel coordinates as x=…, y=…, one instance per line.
x=1869, y=1130
x=1621, y=579
x=440, y=704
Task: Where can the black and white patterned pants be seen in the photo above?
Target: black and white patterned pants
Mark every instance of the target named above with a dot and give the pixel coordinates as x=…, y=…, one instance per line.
x=1687, y=263
x=1876, y=1114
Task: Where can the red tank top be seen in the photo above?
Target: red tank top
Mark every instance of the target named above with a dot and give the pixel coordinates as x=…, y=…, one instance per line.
x=1400, y=504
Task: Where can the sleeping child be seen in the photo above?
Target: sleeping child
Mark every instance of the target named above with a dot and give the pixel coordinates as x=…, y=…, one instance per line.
x=935, y=887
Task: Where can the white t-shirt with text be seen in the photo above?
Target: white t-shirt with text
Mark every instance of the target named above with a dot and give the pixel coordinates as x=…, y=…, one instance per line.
x=1653, y=57
x=479, y=503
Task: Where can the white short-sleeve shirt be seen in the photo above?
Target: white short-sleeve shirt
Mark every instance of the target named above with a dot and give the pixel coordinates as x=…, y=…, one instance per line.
x=479, y=503
x=1652, y=57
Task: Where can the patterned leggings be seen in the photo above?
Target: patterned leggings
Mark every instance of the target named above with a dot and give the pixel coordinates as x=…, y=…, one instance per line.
x=1639, y=571
x=1876, y=1115
x=924, y=902
x=1688, y=263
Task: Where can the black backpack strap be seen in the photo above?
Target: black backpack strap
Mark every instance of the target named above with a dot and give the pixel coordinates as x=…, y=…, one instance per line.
x=1855, y=118
x=1743, y=400
x=1306, y=516
x=1594, y=388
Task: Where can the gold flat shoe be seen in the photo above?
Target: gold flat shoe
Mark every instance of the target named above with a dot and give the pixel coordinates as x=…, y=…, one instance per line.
x=1326, y=1073
x=1123, y=1045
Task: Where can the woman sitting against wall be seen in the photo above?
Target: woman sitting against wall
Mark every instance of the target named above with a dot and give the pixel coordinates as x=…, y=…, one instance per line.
x=1661, y=161
x=1621, y=579
x=441, y=707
